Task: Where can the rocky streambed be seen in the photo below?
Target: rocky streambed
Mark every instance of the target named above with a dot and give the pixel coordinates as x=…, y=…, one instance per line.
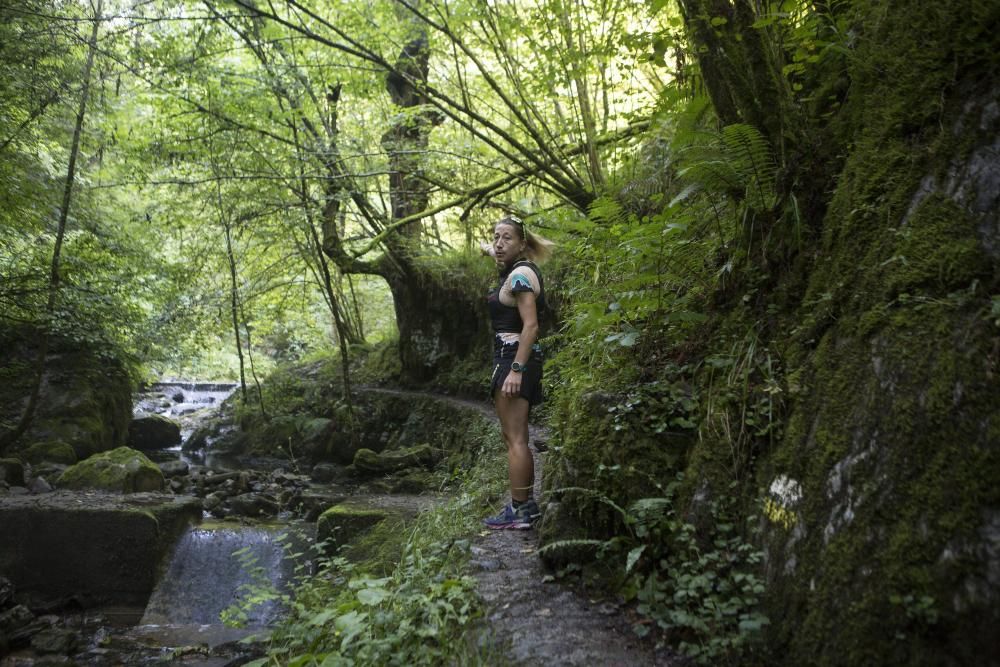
x=104, y=561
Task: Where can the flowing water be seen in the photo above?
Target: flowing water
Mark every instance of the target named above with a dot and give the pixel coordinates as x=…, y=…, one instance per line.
x=212, y=567
x=191, y=404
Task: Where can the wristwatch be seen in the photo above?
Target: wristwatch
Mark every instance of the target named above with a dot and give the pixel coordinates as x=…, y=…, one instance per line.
x=516, y=367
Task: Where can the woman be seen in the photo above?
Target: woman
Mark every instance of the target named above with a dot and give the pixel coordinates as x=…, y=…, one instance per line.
x=517, y=359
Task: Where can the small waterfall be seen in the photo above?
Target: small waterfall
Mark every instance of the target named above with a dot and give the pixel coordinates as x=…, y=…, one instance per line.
x=181, y=398
x=204, y=577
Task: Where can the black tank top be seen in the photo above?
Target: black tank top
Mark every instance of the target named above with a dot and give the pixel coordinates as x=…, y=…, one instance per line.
x=507, y=319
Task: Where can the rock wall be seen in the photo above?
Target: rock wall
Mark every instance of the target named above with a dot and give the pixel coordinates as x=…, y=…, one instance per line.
x=85, y=401
x=883, y=537
x=876, y=355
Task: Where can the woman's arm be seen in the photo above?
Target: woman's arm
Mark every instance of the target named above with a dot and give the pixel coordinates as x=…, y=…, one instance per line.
x=528, y=309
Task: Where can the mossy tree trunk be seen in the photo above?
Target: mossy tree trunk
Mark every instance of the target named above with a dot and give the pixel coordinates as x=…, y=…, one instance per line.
x=439, y=321
x=745, y=53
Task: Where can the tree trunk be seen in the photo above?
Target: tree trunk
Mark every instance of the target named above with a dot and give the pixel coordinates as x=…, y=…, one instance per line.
x=234, y=303
x=438, y=321
x=54, y=271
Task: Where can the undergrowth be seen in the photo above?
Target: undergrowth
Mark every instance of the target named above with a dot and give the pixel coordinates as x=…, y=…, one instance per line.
x=700, y=589
x=408, y=602
x=667, y=368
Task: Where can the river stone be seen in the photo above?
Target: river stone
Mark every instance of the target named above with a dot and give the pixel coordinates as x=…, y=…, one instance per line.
x=58, y=641
x=199, y=439
x=121, y=470
x=12, y=472
x=151, y=431
x=52, y=451
x=313, y=502
x=324, y=473
x=414, y=481
x=253, y=505
x=344, y=523
x=39, y=485
x=213, y=501
x=48, y=470
x=84, y=401
x=15, y=618
x=372, y=463
x=174, y=468
x=6, y=592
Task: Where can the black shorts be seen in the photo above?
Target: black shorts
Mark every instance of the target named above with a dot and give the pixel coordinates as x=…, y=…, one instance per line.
x=531, y=376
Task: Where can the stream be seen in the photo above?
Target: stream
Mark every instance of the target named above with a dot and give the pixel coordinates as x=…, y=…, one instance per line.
x=190, y=404
x=212, y=566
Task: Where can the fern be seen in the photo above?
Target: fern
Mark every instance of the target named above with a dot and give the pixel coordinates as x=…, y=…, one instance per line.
x=595, y=495
x=607, y=211
x=738, y=162
x=752, y=158
x=570, y=544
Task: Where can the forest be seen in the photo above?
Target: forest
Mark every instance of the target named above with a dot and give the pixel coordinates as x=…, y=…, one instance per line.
x=772, y=330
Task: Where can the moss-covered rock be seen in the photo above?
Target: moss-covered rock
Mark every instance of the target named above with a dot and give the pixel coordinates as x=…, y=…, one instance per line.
x=887, y=552
x=121, y=470
x=343, y=523
x=414, y=481
x=149, y=431
x=51, y=451
x=85, y=399
x=374, y=463
x=325, y=439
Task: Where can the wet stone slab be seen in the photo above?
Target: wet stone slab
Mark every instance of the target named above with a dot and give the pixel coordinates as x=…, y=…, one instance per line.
x=91, y=548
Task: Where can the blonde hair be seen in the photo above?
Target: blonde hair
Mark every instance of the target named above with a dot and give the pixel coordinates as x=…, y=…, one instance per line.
x=538, y=248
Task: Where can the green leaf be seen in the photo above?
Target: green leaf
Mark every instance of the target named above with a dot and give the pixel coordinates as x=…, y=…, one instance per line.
x=633, y=558
x=372, y=596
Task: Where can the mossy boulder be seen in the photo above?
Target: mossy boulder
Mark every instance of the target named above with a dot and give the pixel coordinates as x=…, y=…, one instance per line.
x=276, y=435
x=374, y=463
x=307, y=437
x=323, y=439
x=345, y=522
x=85, y=398
x=51, y=451
x=121, y=470
x=414, y=481
x=149, y=431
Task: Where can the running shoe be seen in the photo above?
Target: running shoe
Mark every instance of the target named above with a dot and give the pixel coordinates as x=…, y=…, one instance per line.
x=509, y=518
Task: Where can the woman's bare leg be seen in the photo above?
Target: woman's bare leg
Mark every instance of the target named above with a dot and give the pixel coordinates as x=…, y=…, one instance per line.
x=513, y=414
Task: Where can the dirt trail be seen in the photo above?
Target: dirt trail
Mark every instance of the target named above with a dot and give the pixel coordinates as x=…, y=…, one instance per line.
x=543, y=623
x=548, y=623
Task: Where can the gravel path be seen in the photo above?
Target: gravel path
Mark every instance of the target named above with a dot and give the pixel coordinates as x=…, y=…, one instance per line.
x=548, y=623
x=535, y=622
